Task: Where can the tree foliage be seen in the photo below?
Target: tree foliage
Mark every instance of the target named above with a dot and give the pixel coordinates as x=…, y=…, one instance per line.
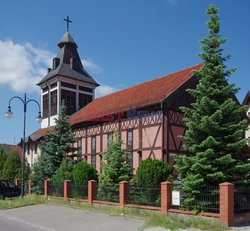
x=151, y=172
x=83, y=172
x=115, y=168
x=12, y=166
x=64, y=172
x=215, y=123
x=57, y=144
x=3, y=157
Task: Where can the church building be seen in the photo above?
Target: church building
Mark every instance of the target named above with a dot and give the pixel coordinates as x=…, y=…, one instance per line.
x=147, y=115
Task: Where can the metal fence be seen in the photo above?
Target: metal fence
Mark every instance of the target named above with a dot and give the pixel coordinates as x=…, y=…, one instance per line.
x=207, y=201
x=56, y=189
x=78, y=190
x=38, y=188
x=144, y=196
x=241, y=199
x=107, y=192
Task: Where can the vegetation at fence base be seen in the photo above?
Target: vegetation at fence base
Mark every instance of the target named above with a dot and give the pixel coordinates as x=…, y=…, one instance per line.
x=145, y=186
x=64, y=172
x=57, y=144
x=215, y=124
x=37, y=176
x=151, y=218
x=82, y=173
x=20, y=202
x=55, y=147
x=11, y=166
x=3, y=157
x=115, y=168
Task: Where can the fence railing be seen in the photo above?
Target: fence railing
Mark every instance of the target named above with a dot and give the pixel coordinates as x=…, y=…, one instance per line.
x=144, y=196
x=78, y=190
x=207, y=201
x=241, y=199
x=107, y=192
x=221, y=201
x=56, y=189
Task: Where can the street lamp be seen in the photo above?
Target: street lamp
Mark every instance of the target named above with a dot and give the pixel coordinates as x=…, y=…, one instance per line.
x=9, y=114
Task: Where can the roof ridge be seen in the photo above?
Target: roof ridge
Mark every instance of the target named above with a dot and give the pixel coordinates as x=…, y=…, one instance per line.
x=162, y=76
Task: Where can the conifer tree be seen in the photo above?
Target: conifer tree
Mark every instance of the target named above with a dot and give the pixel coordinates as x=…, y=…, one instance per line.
x=215, y=123
x=115, y=168
x=57, y=144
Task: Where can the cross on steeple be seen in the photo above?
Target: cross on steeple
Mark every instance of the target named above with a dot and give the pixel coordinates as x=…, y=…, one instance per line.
x=68, y=21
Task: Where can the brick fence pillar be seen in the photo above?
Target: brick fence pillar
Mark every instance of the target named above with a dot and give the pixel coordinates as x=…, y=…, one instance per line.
x=227, y=203
x=91, y=191
x=47, y=187
x=67, y=184
x=17, y=182
x=123, y=186
x=165, y=196
x=29, y=187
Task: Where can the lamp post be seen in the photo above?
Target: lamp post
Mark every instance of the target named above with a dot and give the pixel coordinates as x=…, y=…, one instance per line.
x=9, y=114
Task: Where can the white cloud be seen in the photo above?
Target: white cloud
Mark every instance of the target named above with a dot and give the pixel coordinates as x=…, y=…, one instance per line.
x=22, y=66
x=91, y=66
x=104, y=90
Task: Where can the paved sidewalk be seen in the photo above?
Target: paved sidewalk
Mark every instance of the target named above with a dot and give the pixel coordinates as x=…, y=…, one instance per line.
x=53, y=218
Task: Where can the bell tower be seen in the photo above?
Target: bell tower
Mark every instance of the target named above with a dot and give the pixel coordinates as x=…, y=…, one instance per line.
x=67, y=81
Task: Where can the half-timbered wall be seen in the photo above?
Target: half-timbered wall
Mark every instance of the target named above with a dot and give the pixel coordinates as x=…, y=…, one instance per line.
x=147, y=137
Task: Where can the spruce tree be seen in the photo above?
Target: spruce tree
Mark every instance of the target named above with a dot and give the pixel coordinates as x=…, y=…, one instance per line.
x=57, y=144
x=115, y=168
x=215, y=123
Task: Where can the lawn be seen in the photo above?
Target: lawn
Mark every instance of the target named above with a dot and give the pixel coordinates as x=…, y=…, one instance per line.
x=20, y=202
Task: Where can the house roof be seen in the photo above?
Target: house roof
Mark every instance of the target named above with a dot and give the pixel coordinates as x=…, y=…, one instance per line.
x=246, y=99
x=38, y=134
x=140, y=95
x=70, y=64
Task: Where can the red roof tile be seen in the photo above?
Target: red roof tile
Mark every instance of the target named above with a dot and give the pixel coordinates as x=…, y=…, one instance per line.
x=143, y=94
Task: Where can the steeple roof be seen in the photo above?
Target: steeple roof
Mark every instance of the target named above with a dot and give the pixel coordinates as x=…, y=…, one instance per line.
x=66, y=38
x=67, y=63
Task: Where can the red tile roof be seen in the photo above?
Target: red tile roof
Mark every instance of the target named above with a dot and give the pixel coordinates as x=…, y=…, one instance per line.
x=140, y=95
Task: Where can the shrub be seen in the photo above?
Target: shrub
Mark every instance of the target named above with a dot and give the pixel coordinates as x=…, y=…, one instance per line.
x=145, y=185
x=37, y=176
x=151, y=172
x=12, y=166
x=64, y=172
x=83, y=172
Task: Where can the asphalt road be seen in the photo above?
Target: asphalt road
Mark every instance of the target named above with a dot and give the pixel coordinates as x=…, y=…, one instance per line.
x=51, y=218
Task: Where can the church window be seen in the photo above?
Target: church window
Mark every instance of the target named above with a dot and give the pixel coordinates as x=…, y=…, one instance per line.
x=68, y=85
x=45, y=105
x=84, y=100
x=53, y=85
x=93, y=151
x=130, y=147
x=87, y=89
x=53, y=97
x=69, y=99
x=79, y=149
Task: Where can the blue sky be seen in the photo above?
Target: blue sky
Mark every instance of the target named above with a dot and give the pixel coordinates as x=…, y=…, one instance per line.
x=121, y=43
